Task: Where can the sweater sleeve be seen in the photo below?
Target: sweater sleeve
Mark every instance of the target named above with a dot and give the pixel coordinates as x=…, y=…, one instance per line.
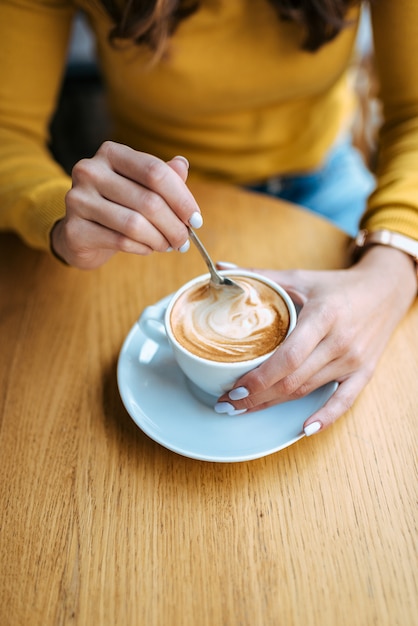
x=394, y=204
x=34, y=36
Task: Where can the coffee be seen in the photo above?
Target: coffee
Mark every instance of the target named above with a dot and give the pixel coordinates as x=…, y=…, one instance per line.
x=218, y=325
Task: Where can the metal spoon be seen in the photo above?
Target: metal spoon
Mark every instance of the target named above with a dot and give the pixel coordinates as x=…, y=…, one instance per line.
x=217, y=280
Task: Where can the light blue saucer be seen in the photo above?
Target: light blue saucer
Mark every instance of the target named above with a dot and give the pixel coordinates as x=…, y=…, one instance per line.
x=155, y=394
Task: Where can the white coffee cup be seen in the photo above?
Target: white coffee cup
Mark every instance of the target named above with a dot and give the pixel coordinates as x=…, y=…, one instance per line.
x=207, y=379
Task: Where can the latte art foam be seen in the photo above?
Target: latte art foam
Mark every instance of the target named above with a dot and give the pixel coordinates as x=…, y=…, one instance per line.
x=218, y=325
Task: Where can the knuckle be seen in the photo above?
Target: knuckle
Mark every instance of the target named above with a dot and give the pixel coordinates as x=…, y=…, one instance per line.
x=259, y=382
x=154, y=172
x=302, y=391
x=74, y=199
x=133, y=225
x=354, y=357
x=290, y=384
x=342, y=343
x=107, y=149
x=153, y=203
x=81, y=170
x=134, y=233
x=72, y=233
x=125, y=244
x=293, y=357
x=249, y=403
x=87, y=172
x=327, y=314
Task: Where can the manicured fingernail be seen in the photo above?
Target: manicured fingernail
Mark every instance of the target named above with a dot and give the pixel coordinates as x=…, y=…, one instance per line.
x=183, y=158
x=185, y=246
x=226, y=407
x=196, y=220
x=223, y=407
x=312, y=428
x=238, y=393
x=169, y=249
x=226, y=265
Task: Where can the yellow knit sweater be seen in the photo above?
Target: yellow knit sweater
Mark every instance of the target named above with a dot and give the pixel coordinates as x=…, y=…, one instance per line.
x=235, y=95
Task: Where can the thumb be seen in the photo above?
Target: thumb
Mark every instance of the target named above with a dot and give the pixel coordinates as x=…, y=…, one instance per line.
x=180, y=165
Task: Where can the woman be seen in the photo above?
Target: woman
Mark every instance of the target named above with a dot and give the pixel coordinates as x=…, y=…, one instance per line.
x=253, y=92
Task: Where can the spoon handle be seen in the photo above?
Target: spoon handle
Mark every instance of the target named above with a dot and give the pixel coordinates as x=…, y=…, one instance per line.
x=216, y=278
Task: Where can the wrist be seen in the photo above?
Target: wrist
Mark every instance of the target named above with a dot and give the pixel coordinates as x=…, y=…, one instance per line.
x=365, y=239
x=389, y=268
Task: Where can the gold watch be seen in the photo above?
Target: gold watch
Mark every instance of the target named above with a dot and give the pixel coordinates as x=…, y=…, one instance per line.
x=386, y=238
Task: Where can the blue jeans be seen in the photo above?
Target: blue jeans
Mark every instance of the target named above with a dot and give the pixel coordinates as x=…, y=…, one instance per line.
x=337, y=191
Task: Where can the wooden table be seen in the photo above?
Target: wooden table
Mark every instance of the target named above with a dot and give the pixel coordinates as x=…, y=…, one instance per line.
x=101, y=526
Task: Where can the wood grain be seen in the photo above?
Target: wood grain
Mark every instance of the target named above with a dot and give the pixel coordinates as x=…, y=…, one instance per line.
x=100, y=525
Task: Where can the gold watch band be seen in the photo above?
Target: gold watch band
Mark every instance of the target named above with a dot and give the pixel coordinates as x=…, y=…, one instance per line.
x=387, y=238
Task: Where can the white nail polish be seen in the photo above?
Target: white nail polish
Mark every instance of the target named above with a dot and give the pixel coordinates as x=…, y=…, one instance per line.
x=226, y=407
x=237, y=412
x=185, y=246
x=238, y=393
x=227, y=266
x=312, y=428
x=169, y=249
x=196, y=220
x=183, y=158
x=223, y=407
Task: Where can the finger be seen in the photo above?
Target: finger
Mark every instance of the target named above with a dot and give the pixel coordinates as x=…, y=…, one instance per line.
x=342, y=399
x=330, y=360
x=153, y=174
x=339, y=403
x=81, y=253
x=259, y=389
x=131, y=224
x=180, y=165
x=239, y=399
x=292, y=355
x=119, y=203
x=110, y=195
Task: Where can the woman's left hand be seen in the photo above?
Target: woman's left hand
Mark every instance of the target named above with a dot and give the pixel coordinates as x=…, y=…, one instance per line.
x=345, y=322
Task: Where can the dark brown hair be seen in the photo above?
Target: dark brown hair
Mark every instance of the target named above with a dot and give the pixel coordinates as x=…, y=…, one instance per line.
x=152, y=22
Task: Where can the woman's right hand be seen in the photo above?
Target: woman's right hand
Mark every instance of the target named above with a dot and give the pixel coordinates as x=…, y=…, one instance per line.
x=124, y=200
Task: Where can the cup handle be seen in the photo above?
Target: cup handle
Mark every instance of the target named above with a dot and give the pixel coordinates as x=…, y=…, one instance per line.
x=151, y=322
